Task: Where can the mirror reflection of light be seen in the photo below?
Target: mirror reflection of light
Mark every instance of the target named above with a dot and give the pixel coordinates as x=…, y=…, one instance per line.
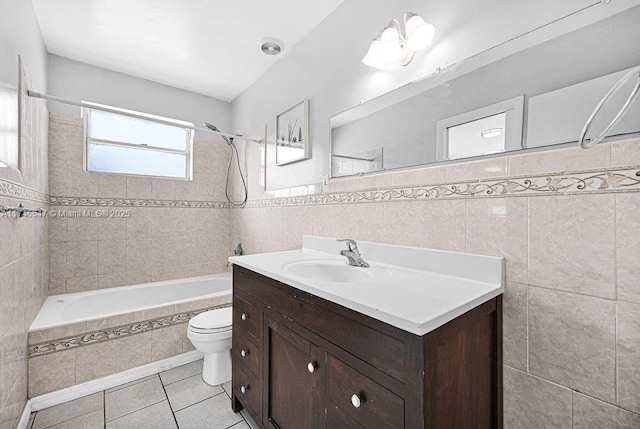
x=491, y=132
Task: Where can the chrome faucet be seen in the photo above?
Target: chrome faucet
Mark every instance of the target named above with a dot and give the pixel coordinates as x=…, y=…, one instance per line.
x=353, y=255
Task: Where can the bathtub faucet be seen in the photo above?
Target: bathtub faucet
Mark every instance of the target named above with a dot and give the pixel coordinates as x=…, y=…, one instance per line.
x=239, y=251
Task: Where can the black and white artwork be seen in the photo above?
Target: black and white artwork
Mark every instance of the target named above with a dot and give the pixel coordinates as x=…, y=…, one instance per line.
x=292, y=134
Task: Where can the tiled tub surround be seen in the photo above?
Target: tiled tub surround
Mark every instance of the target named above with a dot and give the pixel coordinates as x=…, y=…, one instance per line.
x=572, y=301
x=63, y=356
x=172, y=230
x=24, y=273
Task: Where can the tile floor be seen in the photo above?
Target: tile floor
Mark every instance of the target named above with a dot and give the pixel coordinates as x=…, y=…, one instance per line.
x=177, y=398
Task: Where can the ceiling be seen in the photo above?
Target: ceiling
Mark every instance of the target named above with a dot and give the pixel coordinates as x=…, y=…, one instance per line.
x=204, y=46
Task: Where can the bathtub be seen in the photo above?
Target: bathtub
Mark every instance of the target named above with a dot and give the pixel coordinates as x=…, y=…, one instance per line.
x=59, y=310
x=90, y=335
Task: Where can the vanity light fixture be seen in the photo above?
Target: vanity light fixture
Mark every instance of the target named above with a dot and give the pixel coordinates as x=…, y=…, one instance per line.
x=394, y=46
x=491, y=132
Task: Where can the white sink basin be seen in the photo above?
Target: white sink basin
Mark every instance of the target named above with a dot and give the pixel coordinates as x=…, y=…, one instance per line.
x=413, y=289
x=333, y=271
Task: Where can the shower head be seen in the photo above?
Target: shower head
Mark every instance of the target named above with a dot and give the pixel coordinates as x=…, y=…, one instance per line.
x=214, y=128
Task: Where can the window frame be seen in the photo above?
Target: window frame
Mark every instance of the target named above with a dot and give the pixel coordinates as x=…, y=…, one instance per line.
x=514, y=124
x=88, y=140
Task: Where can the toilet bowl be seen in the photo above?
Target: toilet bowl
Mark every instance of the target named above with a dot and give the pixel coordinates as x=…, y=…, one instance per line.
x=210, y=333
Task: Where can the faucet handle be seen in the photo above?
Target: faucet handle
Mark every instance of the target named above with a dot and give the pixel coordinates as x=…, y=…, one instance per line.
x=351, y=244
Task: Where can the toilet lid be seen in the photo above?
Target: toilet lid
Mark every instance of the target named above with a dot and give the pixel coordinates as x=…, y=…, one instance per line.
x=213, y=320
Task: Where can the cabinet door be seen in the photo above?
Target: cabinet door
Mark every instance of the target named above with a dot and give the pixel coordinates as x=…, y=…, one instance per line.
x=293, y=379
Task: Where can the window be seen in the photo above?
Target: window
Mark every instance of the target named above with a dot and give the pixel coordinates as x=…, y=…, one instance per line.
x=492, y=129
x=137, y=143
x=9, y=139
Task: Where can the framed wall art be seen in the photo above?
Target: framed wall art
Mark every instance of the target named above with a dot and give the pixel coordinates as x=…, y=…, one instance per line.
x=292, y=134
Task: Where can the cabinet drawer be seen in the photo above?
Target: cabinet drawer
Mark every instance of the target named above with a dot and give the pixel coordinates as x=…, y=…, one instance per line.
x=252, y=395
x=373, y=345
x=247, y=317
x=247, y=353
x=374, y=406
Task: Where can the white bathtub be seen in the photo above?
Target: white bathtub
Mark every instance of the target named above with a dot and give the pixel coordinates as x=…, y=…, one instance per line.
x=82, y=306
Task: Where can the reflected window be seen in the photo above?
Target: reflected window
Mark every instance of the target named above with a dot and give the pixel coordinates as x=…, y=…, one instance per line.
x=480, y=137
x=492, y=129
x=138, y=145
x=9, y=140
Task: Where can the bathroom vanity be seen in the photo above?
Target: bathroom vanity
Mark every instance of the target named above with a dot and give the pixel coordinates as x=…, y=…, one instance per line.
x=315, y=350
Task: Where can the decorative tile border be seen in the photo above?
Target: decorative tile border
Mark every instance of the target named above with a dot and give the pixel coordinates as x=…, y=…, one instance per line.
x=129, y=202
x=15, y=190
x=600, y=181
x=94, y=337
x=581, y=182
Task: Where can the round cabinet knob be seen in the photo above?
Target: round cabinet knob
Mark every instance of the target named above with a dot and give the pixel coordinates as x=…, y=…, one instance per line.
x=244, y=352
x=311, y=367
x=244, y=389
x=355, y=400
x=244, y=316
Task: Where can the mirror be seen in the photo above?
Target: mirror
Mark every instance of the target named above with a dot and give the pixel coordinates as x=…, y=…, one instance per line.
x=538, y=97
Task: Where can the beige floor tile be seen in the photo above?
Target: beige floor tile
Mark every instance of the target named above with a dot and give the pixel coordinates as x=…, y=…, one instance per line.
x=133, y=398
x=189, y=391
x=216, y=409
x=157, y=416
x=68, y=411
x=181, y=372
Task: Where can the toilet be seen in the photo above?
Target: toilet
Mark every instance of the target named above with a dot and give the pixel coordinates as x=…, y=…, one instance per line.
x=210, y=333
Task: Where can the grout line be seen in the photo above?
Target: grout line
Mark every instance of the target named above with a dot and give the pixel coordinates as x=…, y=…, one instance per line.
x=104, y=409
x=182, y=379
x=202, y=400
x=177, y=381
x=129, y=384
x=528, y=280
x=528, y=336
x=571, y=389
x=173, y=414
x=615, y=284
x=140, y=409
x=573, y=393
x=615, y=357
x=613, y=300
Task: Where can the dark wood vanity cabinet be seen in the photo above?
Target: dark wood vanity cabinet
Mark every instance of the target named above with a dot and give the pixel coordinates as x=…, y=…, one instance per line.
x=300, y=361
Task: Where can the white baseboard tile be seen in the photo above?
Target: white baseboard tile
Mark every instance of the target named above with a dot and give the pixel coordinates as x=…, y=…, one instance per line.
x=26, y=415
x=90, y=387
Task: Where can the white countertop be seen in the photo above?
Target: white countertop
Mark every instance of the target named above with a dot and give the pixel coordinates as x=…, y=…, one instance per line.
x=419, y=290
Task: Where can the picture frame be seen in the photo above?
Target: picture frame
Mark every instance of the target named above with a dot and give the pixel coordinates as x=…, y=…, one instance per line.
x=292, y=134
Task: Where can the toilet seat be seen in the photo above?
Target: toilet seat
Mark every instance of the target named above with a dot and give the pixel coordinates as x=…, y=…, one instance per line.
x=212, y=321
